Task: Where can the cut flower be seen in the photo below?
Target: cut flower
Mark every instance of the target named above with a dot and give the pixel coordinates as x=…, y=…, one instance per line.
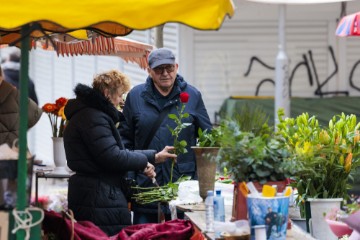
x=55, y=112
x=179, y=145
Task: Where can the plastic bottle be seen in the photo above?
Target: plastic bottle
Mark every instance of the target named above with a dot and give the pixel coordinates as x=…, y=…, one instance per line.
x=219, y=210
x=219, y=207
x=209, y=211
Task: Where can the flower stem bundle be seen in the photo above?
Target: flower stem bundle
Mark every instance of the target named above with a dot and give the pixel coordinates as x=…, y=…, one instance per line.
x=164, y=193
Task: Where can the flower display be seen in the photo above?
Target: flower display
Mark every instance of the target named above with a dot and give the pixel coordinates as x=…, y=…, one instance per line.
x=55, y=112
x=324, y=158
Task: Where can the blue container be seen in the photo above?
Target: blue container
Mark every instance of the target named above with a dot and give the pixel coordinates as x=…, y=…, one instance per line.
x=271, y=212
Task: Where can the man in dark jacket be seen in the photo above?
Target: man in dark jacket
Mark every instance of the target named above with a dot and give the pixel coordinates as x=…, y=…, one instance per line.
x=11, y=68
x=144, y=104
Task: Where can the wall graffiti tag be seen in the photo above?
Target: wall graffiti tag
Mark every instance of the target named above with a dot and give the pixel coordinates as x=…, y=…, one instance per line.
x=312, y=76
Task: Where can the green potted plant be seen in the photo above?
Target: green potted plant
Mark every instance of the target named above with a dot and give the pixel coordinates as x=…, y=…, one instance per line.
x=206, y=151
x=209, y=138
x=252, y=152
x=322, y=159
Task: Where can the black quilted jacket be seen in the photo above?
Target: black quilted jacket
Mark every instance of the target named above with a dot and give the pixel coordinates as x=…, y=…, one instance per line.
x=94, y=150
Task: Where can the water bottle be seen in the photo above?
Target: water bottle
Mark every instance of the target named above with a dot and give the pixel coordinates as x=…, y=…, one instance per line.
x=219, y=210
x=209, y=211
x=219, y=207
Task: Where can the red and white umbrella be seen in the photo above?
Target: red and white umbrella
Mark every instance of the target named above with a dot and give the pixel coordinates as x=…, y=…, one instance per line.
x=349, y=26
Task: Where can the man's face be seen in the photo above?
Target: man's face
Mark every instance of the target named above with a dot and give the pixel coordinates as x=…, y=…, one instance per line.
x=164, y=77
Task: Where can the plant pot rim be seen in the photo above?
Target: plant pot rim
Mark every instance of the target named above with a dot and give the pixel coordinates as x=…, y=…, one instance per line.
x=324, y=199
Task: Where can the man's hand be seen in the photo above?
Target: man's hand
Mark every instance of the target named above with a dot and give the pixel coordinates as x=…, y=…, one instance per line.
x=166, y=153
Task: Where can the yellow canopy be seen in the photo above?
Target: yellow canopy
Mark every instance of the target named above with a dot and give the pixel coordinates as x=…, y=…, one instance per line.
x=108, y=17
x=24, y=19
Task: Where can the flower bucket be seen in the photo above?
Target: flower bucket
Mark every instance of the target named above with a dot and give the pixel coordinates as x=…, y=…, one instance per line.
x=240, y=210
x=206, y=168
x=317, y=224
x=269, y=213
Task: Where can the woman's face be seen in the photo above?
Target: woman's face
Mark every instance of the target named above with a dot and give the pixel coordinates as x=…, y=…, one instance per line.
x=117, y=98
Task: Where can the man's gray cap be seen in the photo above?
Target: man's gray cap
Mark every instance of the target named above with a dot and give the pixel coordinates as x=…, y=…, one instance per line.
x=161, y=56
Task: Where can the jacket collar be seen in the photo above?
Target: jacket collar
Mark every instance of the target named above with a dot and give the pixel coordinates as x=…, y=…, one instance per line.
x=94, y=99
x=149, y=95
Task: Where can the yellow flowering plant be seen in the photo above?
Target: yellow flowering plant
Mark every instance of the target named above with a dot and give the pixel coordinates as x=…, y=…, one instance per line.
x=55, y=112
x=323, y=159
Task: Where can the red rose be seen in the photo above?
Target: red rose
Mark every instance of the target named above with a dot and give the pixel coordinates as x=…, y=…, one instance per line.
x=184, y=97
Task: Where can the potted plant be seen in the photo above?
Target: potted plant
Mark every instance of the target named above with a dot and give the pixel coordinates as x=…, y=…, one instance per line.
x=253, y=153
x=206, y=151
x=322, y=159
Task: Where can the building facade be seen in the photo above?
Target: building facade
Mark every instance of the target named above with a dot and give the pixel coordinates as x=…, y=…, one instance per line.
x=236, y=60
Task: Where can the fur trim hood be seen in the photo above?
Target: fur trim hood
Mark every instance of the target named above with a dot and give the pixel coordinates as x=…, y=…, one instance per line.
x=89, y=97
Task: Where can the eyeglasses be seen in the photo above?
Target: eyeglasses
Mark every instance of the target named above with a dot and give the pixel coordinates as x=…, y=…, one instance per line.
x=160, y=69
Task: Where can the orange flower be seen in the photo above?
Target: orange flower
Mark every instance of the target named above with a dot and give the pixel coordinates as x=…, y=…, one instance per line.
x=348, y=160
x=50, y=108
x=54, y=111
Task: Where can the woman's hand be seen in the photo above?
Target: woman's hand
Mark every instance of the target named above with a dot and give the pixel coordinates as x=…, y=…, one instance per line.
x=150, y=171
x=166, y=153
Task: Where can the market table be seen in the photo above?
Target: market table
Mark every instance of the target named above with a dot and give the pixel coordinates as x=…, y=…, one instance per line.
x=41, y=173
x=196, y=214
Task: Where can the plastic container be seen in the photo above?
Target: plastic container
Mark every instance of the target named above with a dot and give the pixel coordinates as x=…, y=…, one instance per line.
x=209, y=211
x=219, y=207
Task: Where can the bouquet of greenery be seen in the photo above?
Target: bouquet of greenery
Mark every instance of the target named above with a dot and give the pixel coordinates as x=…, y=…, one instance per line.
x=252, y=155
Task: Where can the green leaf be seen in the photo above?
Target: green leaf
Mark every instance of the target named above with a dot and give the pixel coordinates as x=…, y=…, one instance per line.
x=172, y=116
x=183, y=143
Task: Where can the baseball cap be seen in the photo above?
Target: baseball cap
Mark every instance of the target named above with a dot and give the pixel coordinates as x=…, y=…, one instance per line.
x=161, y=56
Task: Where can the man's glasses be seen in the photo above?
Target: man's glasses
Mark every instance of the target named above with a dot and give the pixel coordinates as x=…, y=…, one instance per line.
x=160, y=69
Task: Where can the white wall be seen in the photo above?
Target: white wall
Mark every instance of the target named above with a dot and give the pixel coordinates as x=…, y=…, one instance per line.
x=216, y=61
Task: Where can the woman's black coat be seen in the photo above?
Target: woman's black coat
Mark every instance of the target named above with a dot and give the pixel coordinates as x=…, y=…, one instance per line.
x=94, y=150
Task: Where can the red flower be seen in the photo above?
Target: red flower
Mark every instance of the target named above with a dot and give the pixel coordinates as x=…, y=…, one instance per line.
x=184, y=97
x=50, y=108
x=54, y=111
x=61, y=102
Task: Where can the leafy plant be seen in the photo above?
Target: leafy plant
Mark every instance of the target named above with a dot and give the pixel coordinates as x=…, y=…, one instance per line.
x=209, y=138
x=323, y=159
x=252, y=157
x=251, y=118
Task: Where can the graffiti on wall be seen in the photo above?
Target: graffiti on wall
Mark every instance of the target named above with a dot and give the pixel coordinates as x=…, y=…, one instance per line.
x=312, y=76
